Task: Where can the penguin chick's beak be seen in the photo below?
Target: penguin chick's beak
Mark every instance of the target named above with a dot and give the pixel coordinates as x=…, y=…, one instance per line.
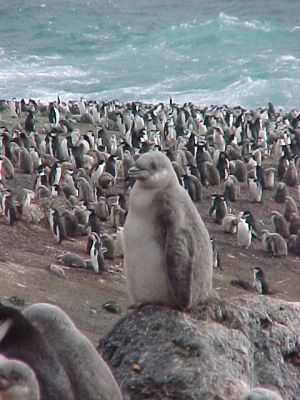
x=138, y=173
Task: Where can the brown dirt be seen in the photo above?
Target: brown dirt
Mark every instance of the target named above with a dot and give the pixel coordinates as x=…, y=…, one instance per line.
x=27, y=250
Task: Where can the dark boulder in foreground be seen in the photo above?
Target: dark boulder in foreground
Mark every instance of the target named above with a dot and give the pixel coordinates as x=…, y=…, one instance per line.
x=219, y=351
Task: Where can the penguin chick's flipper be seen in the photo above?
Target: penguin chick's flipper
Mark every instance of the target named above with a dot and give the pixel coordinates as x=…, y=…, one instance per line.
x=179, y=254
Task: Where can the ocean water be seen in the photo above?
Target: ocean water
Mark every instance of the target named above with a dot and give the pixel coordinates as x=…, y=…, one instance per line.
x=208, y=52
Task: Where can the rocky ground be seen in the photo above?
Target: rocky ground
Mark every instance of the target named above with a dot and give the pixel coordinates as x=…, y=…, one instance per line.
x=27, y=250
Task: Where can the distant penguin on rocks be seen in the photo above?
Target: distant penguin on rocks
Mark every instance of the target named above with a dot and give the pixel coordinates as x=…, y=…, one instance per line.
x=213, y=175
x=255, y=189
x=109, y=244
x=9, y=208
x=101, y=209
x=110, y=166
x=96, y=254
x=290, y=207
x=232, y=189
x=230, y=224
x=260, y=282
x=281, y=225
x=94, y=222
x=53, y=115
x=97, y=171
x=282, y=168
x=269, y=178
x=274, y=243
x=25, y=161
x=244, y=234
x=281, y=193
x=193, y=187
x=55, y=174
x=223, y=166
x=219, y=208
x=57, y=225
x=291, y=175
x=71, y=223
x=294, y=224
x=240, y=171
x=30, y=122
x=251, y=221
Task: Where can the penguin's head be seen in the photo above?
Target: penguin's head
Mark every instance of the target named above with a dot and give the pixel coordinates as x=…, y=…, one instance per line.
x=153, y=170
x=258, y=272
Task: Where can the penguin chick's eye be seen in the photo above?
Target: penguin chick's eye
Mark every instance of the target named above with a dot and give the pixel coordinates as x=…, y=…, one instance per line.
x=153, y=165
x=15, y=377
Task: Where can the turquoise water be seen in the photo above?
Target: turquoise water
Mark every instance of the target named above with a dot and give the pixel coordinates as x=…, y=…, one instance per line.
x=208, y=52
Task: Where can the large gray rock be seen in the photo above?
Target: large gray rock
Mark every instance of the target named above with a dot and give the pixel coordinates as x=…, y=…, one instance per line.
x=219, y=351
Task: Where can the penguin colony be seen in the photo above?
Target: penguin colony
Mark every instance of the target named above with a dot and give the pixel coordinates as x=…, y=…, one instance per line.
x=82, y=179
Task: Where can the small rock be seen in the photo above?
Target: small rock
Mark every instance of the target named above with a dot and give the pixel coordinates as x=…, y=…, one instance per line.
x=113, y=307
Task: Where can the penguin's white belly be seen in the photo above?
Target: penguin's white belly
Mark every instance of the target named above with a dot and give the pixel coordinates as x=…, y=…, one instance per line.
x=144, y=261
x=243, y=236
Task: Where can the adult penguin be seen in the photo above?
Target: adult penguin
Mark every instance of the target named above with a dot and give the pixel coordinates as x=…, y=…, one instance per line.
x=30, y=122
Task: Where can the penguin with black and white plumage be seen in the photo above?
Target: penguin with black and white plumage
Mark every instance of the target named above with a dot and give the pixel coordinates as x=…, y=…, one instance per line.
x=30, y=122
x=255, y=189
x=96, y=253
x=244, y=233
x=94, y=222
x=260, y=282
x=97, y=171
x=215, y=254
x=223, y=166
x=55, y=174
x=219, y=208
x=282, y=167
x=9, y=208
x=53, y=115
x=77, y=155
x=251, y=221
x=70, y=223
x=57, y=225
x=193, y=186
x=110, y=166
